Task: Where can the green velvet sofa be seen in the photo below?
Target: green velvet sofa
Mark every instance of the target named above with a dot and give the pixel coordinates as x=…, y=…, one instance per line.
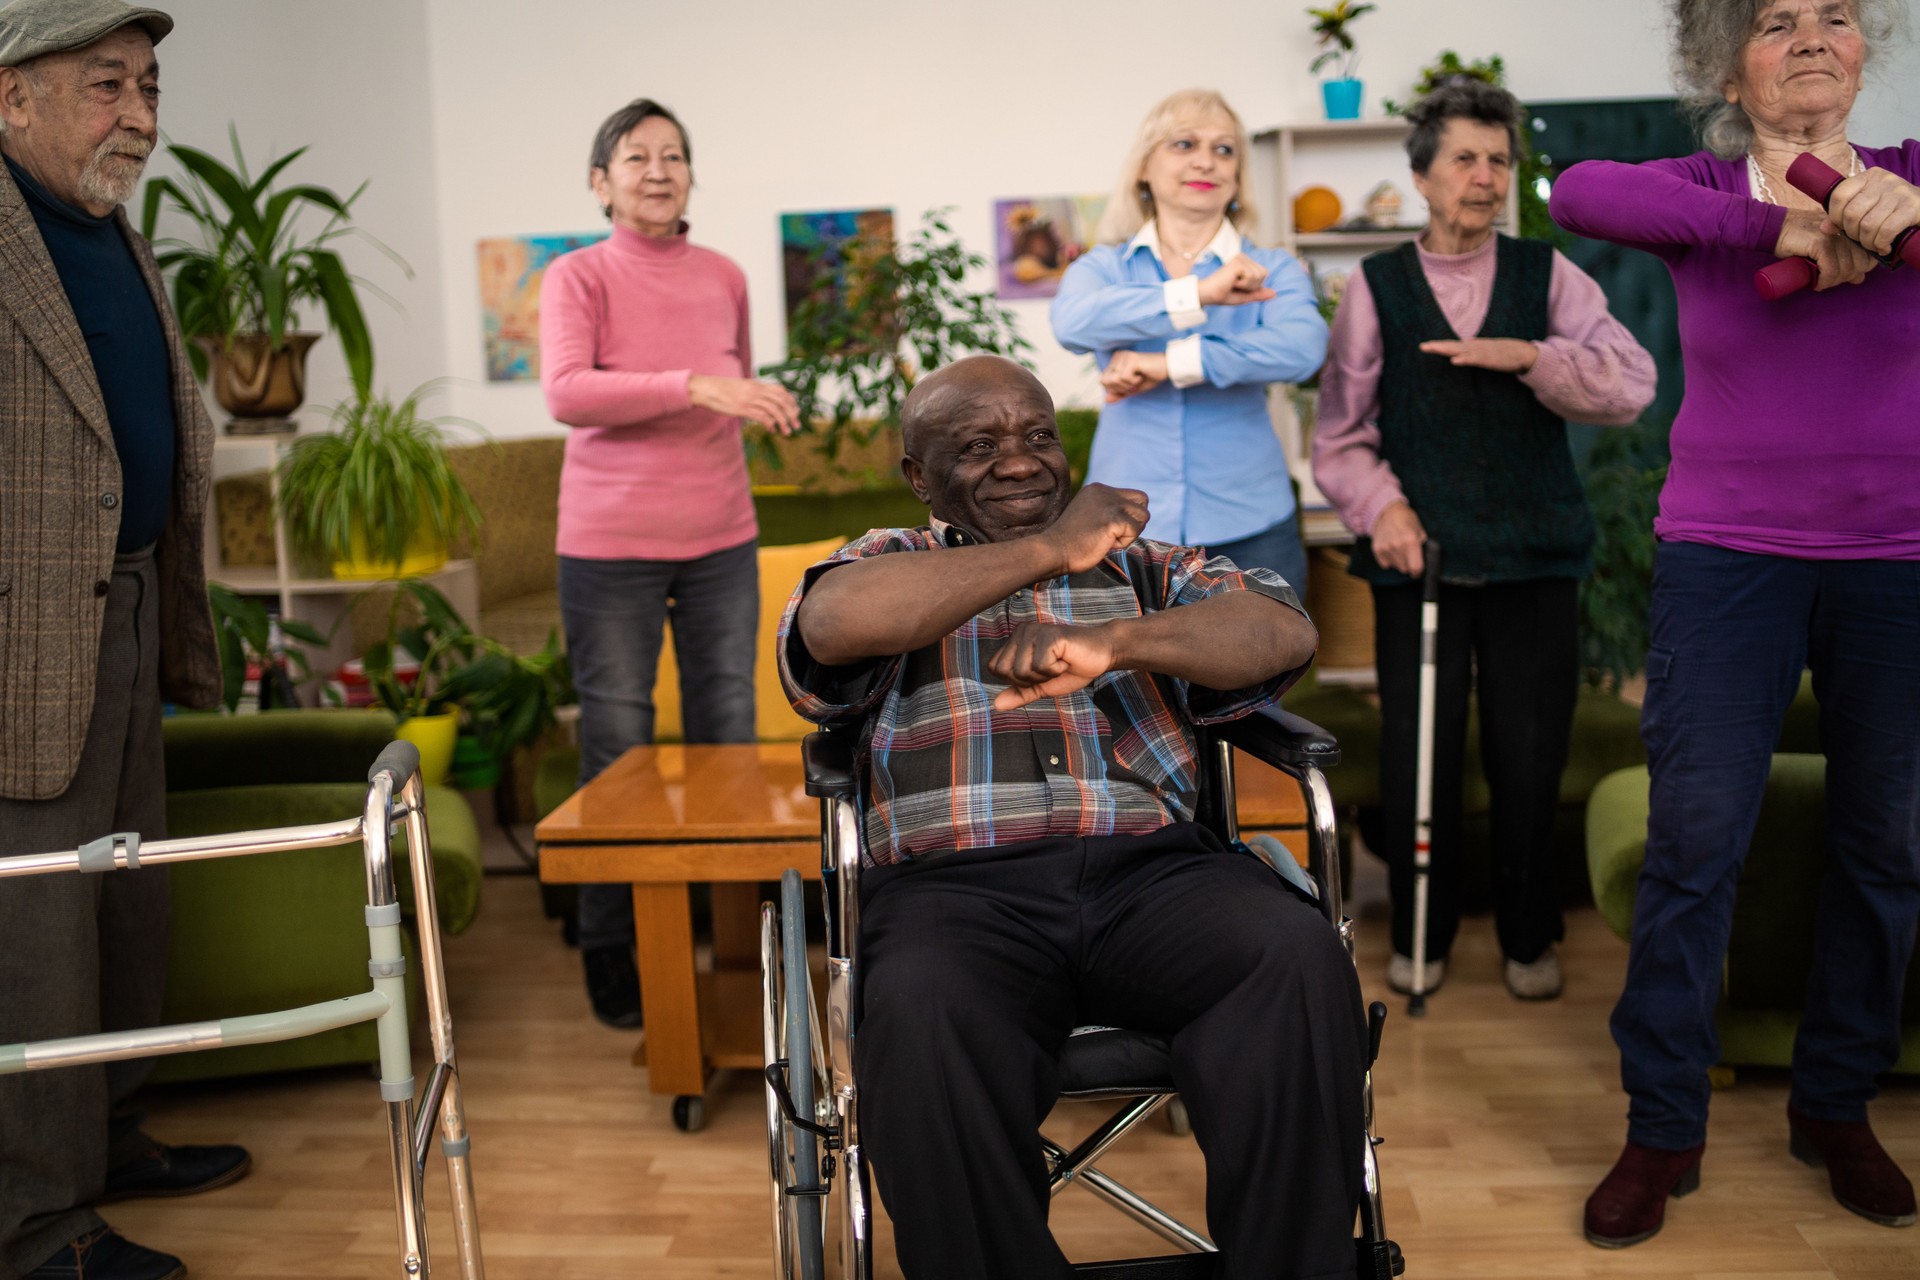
x=1770, y=951
x=273, y=931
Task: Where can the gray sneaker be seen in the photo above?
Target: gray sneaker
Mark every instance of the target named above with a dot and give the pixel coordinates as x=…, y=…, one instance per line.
x=1539, y=980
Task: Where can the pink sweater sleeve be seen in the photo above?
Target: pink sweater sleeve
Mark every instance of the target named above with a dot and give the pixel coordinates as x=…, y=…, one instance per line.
x=1590, y=368
x=1346, y=435
x=579, y=393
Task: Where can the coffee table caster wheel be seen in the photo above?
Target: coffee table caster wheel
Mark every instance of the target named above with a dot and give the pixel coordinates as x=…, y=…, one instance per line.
x=1177, y=1122
x=689, y=1113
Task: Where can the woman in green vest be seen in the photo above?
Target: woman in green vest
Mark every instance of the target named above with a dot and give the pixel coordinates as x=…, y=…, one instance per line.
x=1454, y=364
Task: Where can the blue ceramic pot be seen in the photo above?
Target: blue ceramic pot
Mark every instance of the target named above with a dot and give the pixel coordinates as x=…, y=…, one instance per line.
x=1342, y=99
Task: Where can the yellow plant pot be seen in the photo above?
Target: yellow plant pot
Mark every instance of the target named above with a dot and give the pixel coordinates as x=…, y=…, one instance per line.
x=425, y=554
x=434, y=737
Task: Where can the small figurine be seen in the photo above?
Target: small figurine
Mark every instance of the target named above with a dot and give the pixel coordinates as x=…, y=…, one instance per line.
x=1383, y=205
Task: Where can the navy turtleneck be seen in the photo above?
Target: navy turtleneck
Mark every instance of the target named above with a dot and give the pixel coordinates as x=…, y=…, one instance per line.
x=129, y=349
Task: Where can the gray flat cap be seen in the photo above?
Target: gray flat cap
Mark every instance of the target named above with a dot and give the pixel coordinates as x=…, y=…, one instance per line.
x=30, y=28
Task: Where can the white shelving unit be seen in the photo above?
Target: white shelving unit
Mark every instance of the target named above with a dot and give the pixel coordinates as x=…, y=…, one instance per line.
x=1351, y=157
x=323, y=602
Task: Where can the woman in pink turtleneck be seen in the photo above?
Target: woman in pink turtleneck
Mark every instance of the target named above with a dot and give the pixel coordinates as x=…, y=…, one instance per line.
x=644, y=353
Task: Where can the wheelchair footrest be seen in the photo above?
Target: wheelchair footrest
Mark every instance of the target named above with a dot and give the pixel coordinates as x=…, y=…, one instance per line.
x=1178, y=1266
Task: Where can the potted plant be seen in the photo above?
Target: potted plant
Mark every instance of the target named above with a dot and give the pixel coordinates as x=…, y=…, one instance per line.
x=1342, y=93
x=375, y=496
x=250, y=637
x=1623, y=475
x=239, y=288
x=409, y=669
x=459, y=695
x=858, y=343
x=507, y=701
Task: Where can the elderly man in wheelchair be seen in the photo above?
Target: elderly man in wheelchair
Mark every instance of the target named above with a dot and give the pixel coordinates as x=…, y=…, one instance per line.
x=1032, y=684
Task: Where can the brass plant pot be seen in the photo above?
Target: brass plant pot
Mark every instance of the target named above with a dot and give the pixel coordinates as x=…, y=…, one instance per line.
x=259, y=384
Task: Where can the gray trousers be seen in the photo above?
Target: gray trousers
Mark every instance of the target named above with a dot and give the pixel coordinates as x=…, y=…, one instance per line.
x=614, y=612
x=84, y=953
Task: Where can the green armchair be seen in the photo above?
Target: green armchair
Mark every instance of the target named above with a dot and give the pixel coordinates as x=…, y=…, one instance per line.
x=274, y=931
x=1771, y=948
x=1606, y=737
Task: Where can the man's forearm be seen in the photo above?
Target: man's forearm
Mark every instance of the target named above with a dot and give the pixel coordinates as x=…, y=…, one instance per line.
x=893, y=604
x=1229, y=641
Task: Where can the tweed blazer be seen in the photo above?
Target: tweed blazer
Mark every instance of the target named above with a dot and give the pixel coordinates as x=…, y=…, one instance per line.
x=60, y=517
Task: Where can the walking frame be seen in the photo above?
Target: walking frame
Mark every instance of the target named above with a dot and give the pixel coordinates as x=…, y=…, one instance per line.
x=394, y=794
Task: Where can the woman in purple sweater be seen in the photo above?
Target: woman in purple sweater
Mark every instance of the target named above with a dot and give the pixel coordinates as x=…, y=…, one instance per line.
x=644, y=354
x=1789, y=537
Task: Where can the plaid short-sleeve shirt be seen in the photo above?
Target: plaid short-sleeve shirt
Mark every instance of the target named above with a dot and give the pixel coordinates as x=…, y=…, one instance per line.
x=943, y=771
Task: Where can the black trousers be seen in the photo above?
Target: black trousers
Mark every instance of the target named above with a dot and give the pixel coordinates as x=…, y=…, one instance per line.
x=1518, y=642
x=977, y=965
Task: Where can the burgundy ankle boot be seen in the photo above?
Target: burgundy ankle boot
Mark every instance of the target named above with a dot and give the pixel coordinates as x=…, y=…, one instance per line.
x=1864, y=1177
x=1630, y=1204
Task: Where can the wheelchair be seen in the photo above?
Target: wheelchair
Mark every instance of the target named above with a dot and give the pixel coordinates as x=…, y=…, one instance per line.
x=815, y=1160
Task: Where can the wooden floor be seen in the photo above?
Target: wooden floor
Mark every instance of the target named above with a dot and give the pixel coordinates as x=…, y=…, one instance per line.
x=1499, y=1117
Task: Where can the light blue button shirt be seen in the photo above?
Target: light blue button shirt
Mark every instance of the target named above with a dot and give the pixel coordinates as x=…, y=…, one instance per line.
x=1205, y=455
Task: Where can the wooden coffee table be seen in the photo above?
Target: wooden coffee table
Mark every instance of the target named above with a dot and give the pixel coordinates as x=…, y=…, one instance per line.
x=663, y=818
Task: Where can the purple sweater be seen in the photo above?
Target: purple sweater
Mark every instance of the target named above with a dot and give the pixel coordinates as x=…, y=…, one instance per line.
x=1800, y=431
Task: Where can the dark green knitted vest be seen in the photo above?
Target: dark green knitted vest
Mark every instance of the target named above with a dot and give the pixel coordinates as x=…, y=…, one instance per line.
x=1482, y=462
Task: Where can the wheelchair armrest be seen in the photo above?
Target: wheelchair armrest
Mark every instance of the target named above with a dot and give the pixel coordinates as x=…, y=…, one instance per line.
x=828, y=761
x=1281, y=738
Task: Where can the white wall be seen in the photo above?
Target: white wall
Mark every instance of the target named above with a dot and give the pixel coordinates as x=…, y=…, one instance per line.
x=474, y=116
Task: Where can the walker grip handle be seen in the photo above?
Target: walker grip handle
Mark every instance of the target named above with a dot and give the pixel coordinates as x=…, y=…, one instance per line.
x=400, y=760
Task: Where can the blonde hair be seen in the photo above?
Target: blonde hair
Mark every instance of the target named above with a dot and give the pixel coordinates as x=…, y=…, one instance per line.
x=1131, y=204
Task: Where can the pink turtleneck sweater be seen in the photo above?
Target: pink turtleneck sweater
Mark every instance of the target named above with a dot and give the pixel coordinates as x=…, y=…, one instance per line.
x=623, y=325
x=1590, y=370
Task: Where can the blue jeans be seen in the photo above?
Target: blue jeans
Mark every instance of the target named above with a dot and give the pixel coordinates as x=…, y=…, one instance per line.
x=1731, y=634
x=1277, y=547
x=613, y=611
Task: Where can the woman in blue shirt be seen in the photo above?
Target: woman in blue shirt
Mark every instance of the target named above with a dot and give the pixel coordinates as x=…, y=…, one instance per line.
x=1190, y=323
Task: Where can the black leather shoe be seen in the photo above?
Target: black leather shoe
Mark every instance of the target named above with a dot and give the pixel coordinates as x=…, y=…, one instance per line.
x=176, y=1171
x=107, y=1255
x=613, y=985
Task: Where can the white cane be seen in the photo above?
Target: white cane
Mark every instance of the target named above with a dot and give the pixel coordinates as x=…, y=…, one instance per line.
x=1423, y=771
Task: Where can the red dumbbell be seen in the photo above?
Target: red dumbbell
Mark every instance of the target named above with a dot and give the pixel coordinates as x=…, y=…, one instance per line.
x=1817, y=179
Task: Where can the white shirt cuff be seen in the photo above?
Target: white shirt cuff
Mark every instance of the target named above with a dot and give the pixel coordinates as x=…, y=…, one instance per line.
x=1184, y=368
x=1183, y=303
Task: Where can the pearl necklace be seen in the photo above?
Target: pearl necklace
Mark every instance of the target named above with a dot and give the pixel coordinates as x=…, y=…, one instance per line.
x=1763, y=190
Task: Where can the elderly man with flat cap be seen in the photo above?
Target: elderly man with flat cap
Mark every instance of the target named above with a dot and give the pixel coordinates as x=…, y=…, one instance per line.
x=105, y=452
x=1028, y=671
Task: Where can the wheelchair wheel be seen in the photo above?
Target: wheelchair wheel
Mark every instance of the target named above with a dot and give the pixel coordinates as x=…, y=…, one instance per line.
x=790, y=1034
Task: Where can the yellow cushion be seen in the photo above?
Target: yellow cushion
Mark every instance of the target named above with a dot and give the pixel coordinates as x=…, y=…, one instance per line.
x=780, y=571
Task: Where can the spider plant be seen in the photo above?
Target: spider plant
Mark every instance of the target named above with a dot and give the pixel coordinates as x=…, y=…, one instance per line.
x=368, y=487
